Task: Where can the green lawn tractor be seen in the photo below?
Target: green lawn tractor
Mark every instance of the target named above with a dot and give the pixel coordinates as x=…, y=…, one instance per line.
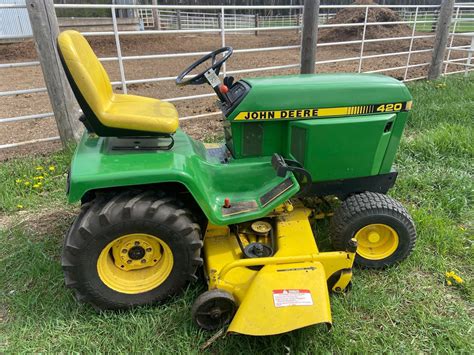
x=158, y=205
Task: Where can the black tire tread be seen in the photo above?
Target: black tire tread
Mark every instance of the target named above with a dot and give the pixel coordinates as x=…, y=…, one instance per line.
x=112, y=209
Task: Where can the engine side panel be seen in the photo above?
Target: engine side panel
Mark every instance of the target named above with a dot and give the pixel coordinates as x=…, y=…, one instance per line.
x=341, y=148
x=339, y=126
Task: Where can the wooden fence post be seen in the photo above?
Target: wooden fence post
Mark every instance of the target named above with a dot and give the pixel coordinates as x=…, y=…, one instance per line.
x=256, y=24
x=178, y=18
x=433, y=25
x=309, y=37
x=298, y=21
x=441, y=38
x=45, y=32
x=156, y=16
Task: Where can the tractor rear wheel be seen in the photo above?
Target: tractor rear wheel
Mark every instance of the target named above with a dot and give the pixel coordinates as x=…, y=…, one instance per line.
x=130, y=249
x=384, y=230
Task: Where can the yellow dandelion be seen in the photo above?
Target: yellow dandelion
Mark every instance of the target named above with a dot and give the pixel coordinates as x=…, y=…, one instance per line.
x=454, y=277
x=52, y=168
x=18, y=181
x=449, y=283
x=38, y=177
x=39, y=168
x=27, y=183
x=19, y=206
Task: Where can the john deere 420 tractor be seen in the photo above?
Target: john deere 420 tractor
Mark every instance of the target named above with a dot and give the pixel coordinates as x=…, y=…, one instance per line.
x=157, y=205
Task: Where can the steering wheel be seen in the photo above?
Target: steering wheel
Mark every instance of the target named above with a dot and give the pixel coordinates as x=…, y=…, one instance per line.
x=200, y=78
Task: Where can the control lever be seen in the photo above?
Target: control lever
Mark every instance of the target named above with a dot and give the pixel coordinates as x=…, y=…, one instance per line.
x=220, y=89
x=279, y=164
x=282, y=166
x=229, y=81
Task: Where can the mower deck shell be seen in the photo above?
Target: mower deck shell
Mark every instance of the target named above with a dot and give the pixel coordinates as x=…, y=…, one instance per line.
x=297, y=266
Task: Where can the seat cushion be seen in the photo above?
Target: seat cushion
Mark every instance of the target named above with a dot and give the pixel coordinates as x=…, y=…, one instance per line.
x=106, y=113
x=140, y=114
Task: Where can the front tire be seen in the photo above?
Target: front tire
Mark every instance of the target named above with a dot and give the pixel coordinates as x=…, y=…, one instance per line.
x=130, y=249
x=384, y=230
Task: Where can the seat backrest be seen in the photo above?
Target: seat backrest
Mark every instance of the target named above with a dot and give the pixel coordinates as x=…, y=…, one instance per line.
x=86, y=70
x=87, y=76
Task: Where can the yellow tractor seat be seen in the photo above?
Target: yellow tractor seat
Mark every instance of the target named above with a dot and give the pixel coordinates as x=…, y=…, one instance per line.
x=106, y=113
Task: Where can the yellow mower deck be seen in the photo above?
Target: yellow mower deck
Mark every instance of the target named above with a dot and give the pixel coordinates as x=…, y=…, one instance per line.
x=290, y=291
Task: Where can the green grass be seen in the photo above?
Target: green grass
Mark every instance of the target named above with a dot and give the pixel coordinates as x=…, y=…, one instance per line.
x=408, y=308
x=465, y=23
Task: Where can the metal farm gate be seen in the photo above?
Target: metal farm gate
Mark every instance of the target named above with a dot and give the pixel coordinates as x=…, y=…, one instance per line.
x=412, y=64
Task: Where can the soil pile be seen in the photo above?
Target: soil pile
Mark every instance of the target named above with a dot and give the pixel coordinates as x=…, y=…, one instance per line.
x=357, y=15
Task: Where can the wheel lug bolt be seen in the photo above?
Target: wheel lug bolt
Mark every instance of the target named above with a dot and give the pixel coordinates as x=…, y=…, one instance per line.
x=148, y=250
x=129, y=261
x=137, y=243
x=124, y=251
x=143, y=261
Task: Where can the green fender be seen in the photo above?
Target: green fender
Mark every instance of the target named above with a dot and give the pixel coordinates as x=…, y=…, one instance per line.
x=251, y=183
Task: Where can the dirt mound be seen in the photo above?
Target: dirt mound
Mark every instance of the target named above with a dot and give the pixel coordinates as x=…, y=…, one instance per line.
x=357, y=15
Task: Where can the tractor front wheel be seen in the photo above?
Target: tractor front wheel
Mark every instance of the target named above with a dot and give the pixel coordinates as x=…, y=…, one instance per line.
x=130, y=249
x=384, y=230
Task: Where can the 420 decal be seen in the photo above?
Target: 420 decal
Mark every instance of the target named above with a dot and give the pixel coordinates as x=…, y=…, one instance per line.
x=389, y=107
x=322, y=112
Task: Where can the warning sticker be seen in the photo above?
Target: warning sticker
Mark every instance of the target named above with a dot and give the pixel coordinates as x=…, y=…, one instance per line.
x=212, y=78
x=286, y=298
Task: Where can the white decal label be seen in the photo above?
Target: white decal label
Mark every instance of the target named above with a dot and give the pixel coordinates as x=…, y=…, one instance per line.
x=212, y=78
x=286, y=298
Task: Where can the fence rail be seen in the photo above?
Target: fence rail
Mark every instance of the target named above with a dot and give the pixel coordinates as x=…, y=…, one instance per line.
x=178, y=19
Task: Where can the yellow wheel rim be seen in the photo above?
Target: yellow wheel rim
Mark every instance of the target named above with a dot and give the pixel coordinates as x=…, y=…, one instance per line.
x=135, y=263
x=376, y=241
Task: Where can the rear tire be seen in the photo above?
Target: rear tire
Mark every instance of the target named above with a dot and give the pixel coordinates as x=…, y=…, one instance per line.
x=129, y=249
x=384, y=230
